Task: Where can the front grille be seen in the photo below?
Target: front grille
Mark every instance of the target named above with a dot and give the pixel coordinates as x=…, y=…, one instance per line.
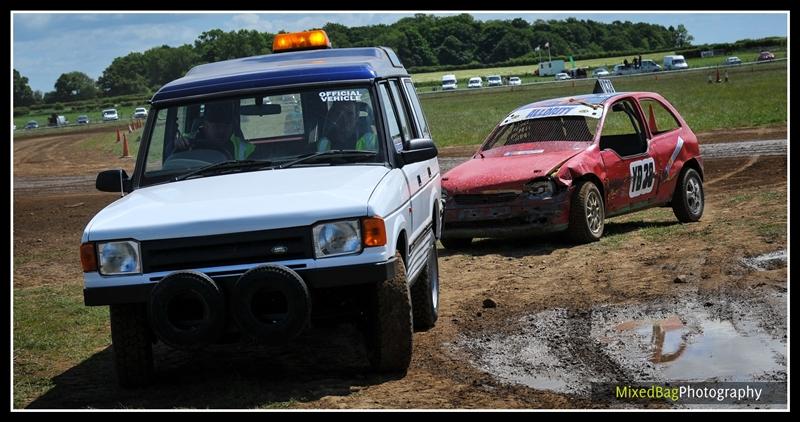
x=481, y=199
x=226, y=249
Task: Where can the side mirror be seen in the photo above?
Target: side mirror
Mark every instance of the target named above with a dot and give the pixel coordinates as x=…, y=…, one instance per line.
x=417, y=150
x=113, y=181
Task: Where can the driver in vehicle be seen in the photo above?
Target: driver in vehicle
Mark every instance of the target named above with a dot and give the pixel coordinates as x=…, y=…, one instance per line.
x=217, y=131
x=346, y=129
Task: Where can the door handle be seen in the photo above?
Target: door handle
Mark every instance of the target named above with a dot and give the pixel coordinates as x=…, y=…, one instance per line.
x=419, y=180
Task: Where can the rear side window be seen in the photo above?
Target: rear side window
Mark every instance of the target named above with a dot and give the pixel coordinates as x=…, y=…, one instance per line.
x=662, y=119
x=402, y=114
x=391, y=118
x=412, y=94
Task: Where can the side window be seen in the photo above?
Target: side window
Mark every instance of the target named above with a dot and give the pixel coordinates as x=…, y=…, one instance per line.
x=391, y=118
x=155, y=153
x=622, y=130
x=412, y=94
x=402, y=114
x=662, y=119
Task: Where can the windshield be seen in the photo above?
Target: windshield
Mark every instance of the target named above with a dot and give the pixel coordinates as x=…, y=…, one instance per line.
x=269, y=129
x=573, y=123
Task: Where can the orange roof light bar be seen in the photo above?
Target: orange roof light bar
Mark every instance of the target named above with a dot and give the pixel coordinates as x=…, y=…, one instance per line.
x=308, y=40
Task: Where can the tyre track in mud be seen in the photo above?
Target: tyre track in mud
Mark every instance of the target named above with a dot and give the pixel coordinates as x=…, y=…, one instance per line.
x=711, y=151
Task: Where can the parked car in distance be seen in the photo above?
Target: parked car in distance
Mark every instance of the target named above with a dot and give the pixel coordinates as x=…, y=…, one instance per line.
x=765, y=56
x=733, y=60
x=600, y=72
x=33, y=124
x=475, y=82
x=675, y=62
x=110, y=114
x=514, y=81
x=494, y=80
x=140, y=113
x=449, y=82
x=83, y=119
x=561, y=76
x=648, y=65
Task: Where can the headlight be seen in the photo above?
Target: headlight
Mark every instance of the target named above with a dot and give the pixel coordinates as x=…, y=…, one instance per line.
x=543, y=188
x=119, y=257
x=445, y=195
x=337, y=238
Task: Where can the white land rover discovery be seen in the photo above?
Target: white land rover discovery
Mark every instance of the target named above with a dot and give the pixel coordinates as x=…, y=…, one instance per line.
x=253, y=218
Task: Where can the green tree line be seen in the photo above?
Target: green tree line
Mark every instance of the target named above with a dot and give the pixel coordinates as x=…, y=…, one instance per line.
x=419, y=41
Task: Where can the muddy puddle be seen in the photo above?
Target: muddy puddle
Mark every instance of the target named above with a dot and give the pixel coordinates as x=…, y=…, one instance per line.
x=687, y=339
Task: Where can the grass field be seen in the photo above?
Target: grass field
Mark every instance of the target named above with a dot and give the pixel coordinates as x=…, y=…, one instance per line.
x=755, y=96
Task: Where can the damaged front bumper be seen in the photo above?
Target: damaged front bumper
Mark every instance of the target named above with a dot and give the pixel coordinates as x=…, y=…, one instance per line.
x=505, y=215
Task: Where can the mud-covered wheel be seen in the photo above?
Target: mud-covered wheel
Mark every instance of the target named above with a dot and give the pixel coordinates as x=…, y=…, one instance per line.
x=132, y=344
x=425, y=293
x=456, y=243
x=586, y=213
x=389, y=332
x=688, y=200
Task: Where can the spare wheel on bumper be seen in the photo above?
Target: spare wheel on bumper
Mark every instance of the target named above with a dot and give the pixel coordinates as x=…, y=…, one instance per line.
x=271, y=303
x=187, y=310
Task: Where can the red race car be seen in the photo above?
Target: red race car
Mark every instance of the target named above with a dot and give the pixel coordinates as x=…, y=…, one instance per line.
x=568, y=163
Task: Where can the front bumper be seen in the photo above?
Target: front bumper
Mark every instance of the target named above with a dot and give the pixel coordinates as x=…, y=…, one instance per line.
x=522, y=216
x=315, y=278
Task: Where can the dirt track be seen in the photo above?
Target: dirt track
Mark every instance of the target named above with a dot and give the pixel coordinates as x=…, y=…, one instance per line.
x=633, y=268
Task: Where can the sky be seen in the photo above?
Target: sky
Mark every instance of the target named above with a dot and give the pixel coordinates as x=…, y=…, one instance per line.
x=46, y=45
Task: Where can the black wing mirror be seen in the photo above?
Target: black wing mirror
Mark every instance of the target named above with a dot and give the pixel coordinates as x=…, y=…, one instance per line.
x=113, y=181
x=417, y=150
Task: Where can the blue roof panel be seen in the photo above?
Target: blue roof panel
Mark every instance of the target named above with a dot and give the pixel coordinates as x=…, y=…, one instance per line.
x=281, y=69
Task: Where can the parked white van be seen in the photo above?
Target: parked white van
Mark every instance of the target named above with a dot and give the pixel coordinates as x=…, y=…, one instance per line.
x=449, y=82
x=675, y=63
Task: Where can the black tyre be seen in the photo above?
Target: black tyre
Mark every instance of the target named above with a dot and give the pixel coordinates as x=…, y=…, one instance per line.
x=456, y=244
x=425, y=293
x=389, y=333
x=688, y=201
x=586, y=213
x=132, y=344
x=271, y=303
x=187, y=310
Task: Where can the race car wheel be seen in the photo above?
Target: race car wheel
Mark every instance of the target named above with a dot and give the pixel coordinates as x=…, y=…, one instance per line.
x=131, y=341
x=187, y=310
x=425, y=293
x=271, y=303
x=389, y=323
x=688, y=200
x=586, y=213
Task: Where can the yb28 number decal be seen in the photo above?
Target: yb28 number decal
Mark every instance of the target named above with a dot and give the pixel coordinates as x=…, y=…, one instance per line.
x=642, y=177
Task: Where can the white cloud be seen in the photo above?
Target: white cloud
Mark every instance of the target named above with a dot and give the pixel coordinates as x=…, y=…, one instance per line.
x=33, y=20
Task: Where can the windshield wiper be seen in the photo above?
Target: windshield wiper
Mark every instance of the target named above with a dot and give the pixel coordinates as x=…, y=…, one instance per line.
x=336, y=153
x=225, y=166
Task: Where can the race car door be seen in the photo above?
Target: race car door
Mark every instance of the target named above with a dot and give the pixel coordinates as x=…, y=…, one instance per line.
x=666, y=143
x=631, y=178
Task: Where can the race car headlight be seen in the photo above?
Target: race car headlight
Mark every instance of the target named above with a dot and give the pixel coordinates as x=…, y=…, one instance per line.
x=445, y=195
x=120, y=257
x=543, y=188
x=337, y=238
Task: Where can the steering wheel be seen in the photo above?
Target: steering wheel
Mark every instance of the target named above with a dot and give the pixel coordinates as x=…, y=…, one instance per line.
x=205, y=144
